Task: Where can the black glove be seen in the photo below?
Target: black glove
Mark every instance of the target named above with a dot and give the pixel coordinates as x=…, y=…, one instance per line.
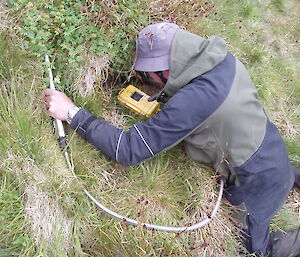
x=161, y=97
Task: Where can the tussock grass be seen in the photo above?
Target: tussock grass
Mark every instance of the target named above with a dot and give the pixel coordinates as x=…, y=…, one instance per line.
x=47, y=221
x=14, y=239
x=93, y=74
x=43, y=211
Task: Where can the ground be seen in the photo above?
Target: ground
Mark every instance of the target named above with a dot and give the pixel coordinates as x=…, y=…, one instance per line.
x=44, y=211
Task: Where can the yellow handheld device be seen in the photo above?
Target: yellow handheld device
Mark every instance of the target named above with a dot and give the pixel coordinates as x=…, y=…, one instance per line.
x=137, y=101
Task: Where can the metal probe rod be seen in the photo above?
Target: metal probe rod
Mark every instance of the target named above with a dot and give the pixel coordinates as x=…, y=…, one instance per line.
x=58, y=123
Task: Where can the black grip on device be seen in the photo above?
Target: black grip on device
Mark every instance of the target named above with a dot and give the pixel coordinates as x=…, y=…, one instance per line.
x=62, y=142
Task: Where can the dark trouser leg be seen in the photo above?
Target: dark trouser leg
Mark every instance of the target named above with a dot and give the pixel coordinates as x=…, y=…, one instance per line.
x=296, y=171
x=256, y=236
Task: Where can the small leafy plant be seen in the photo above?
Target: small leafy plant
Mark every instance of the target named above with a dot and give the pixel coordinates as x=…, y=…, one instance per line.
x=69, y=29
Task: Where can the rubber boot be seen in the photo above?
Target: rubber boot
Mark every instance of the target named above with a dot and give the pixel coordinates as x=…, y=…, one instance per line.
x=296, y=171
x=284, y=244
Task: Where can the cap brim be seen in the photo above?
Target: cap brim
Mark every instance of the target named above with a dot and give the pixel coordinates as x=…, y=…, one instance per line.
x=152, y=64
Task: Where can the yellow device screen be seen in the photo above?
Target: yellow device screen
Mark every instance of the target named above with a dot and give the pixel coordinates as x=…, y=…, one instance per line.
x=137, y=101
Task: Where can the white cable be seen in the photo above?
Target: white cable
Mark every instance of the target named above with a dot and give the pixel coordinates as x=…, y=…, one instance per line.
x=158, y=227
x=147, y=225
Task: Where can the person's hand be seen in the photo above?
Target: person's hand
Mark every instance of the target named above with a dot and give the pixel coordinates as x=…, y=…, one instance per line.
x=58, y=104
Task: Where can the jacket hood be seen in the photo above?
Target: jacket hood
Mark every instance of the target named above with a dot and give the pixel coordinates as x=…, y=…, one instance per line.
x=191, y=56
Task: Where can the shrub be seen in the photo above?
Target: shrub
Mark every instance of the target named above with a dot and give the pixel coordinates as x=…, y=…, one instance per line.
x=68, y=29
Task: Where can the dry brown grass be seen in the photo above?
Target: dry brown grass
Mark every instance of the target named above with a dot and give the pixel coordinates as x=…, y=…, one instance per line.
x=92, y=75
x=285, y=124
x=184, y=13
x=47, y=220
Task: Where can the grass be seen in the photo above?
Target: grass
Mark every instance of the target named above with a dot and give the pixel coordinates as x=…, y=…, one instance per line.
x=43, y=211
x=14, y=238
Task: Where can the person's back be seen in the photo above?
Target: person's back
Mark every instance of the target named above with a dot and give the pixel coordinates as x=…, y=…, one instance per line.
x=212, y=94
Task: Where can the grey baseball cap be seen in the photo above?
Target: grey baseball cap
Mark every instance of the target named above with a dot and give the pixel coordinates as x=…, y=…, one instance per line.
x=153, y=45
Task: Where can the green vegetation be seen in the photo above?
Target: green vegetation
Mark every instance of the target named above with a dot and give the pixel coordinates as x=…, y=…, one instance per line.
x=43, y=211
x=66, y=30
x=15, y=240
